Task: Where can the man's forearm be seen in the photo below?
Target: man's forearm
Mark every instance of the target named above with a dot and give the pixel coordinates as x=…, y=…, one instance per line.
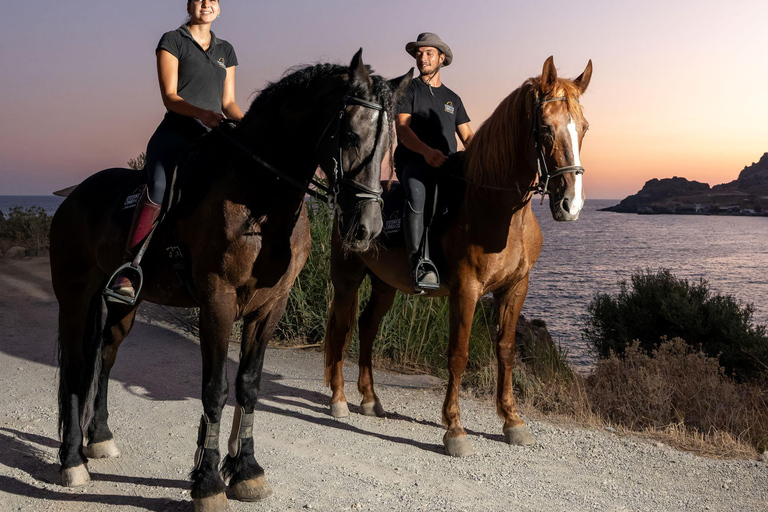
x=412, y=141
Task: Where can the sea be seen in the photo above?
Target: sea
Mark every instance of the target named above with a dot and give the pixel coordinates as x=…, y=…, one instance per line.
x=593, y=254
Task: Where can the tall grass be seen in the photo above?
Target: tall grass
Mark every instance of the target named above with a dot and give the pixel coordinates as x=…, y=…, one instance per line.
x=413, y=336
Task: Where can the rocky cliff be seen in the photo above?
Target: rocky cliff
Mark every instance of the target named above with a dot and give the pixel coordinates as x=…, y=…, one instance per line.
x=746, y=195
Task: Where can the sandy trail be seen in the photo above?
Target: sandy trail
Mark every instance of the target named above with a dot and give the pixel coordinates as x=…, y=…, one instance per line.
x=312, y=461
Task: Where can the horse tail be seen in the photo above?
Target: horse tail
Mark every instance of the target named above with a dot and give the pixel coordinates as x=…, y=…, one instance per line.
x=88, y=382
x=331, y=330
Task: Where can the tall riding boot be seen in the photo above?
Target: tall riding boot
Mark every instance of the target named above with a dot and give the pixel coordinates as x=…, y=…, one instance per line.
x=144, y=218
x=413, y=229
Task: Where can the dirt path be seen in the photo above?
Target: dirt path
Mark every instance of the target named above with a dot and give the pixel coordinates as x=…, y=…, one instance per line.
x=312, y=461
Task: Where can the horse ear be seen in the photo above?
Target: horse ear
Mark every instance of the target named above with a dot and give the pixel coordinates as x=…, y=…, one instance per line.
x=582, y=82
x=358, y=69
x=400, y=84
x=548, y=75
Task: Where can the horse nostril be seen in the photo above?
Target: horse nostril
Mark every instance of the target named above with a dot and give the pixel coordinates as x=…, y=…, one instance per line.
x=566, y=205
x=363, y=233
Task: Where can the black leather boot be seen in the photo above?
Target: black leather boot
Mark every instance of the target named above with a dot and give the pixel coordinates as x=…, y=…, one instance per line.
x=413, y=229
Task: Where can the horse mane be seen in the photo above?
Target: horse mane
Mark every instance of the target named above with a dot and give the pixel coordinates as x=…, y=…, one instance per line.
x=494, y=156
x=302, y=78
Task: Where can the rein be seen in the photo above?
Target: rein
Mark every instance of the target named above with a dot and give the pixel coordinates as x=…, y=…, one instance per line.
x=324, y=193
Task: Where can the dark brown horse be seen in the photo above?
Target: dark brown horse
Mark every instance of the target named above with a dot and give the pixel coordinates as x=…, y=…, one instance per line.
x=490, y=247
x=245, y=236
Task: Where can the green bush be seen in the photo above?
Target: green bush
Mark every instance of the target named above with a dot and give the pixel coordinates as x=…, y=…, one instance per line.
x=654, y=305
x=28, y=228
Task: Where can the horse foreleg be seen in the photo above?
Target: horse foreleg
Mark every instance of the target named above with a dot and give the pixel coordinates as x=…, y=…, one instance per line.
x=341, y=326
x=216, y=318
x=462, y=310
x=101, y=442
x=246, y=477
x=382, y=298
x=510, y=303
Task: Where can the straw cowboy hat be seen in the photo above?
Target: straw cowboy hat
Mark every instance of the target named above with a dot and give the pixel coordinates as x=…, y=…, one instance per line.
x=433, y=40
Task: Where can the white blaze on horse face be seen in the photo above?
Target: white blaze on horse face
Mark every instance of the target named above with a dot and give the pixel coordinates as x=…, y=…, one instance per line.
x=578, y=193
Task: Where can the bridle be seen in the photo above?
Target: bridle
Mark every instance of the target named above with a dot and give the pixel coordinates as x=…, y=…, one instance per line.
x=322, y=192
x=362, y=193
x=542, y=184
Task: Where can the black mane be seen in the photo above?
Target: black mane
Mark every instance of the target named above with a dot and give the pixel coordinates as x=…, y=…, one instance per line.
x=303, y=78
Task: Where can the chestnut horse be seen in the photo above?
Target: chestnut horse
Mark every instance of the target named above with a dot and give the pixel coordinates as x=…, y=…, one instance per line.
x=490, y=247
x=244, y=230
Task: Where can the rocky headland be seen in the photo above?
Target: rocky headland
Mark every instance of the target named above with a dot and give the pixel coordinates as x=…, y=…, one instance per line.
x=747, y=195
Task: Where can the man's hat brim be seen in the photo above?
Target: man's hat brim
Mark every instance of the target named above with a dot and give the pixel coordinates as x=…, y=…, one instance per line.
x=413, y=47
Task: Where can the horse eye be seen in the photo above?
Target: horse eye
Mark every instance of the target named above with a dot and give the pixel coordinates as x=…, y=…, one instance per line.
x=545, y=130
x=351, y=140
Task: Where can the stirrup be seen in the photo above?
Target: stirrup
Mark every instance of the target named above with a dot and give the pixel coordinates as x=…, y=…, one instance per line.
x=112, y=296
x=423, y=266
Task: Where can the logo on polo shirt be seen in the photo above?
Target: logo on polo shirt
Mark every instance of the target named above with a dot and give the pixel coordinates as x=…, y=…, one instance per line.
x=449, y=107
x=221, y=63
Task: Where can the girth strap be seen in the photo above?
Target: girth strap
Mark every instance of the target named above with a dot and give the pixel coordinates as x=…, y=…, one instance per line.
x=207, y=439
x=242, y=428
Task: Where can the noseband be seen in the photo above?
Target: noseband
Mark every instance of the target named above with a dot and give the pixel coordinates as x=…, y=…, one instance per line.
x=544, y=175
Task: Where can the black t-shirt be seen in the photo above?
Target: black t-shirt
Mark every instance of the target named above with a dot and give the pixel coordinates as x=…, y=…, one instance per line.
x=201, y=73
x=434, y=118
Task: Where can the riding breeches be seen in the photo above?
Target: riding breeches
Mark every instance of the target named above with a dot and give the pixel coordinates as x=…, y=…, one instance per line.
x=418, y=179
x=172, y=137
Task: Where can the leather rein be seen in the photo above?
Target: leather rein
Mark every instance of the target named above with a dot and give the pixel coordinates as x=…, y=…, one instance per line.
x=325, y=193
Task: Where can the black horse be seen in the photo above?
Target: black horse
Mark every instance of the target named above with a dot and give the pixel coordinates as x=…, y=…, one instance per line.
x=239, y=236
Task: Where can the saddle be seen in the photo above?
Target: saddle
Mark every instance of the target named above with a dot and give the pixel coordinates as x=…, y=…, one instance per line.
x=449, y=188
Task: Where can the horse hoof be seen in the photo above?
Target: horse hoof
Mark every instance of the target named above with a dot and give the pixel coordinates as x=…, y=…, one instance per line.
x=372, y=409
x=74, y=477
x=458, y=446
x=519, y=436
x=255, y=489
x=339, y=410
x=215, y=503
x=103, y=450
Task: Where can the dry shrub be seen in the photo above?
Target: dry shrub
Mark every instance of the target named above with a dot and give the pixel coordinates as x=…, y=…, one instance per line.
x=678, y=386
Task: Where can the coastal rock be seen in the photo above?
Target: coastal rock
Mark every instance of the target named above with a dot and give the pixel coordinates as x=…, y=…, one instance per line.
x=16, y=252
x=754, y=178
x=747, y=195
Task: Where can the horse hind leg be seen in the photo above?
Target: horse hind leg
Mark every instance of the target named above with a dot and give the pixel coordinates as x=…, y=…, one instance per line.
x=79, y=360
x=101, y=442
x=382, y=298
x=247, y=481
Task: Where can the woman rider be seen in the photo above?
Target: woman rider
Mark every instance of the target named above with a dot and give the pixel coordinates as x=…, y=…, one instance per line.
x=197, y=82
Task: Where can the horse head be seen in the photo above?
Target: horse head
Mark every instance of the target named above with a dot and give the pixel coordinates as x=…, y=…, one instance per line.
x=353, y=147
x=558, y=130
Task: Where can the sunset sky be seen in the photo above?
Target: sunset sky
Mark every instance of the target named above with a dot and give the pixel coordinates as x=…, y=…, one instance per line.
x=679, y=87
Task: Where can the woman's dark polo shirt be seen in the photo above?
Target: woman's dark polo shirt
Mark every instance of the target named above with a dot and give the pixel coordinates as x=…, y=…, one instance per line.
x=201, y=73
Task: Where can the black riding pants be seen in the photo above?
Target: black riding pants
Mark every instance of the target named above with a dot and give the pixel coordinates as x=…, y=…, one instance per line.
x=174, y=135
x=418, y=178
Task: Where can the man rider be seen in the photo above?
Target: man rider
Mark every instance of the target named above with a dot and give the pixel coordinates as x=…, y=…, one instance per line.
x=429, y=116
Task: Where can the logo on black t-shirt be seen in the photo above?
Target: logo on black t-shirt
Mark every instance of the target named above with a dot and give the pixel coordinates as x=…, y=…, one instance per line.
x=221, y=63
x=449, y=107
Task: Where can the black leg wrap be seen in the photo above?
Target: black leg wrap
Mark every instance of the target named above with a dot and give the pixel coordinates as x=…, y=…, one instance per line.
x=206, y=478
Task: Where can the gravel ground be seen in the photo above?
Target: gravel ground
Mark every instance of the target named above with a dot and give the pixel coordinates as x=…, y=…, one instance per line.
x=312, y=461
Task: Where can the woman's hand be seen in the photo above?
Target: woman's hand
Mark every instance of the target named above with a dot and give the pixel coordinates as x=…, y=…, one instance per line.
x=210, y=118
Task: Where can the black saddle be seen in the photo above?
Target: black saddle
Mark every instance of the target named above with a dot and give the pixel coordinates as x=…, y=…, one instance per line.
x=449, y=185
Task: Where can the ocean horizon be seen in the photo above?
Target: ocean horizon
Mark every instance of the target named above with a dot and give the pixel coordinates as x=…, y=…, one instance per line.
x=593, y=254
